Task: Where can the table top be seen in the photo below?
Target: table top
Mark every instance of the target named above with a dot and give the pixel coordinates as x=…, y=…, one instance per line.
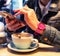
x=43, y=50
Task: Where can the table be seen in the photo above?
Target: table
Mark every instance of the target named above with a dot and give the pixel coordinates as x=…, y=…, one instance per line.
x=43, y=50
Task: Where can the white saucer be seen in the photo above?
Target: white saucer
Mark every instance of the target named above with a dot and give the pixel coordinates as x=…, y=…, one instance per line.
x=33, y=47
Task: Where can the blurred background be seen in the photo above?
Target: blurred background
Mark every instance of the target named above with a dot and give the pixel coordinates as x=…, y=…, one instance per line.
x=9, y=6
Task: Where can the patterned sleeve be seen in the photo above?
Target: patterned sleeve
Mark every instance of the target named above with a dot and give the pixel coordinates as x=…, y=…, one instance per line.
x=51, y=36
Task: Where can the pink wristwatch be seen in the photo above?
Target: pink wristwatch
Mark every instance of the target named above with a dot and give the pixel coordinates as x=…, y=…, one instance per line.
x=41, y=27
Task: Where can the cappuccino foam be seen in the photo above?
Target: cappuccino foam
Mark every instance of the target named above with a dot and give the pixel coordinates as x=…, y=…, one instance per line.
x=22, y=35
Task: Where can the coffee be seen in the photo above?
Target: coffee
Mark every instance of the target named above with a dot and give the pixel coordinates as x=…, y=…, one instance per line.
x=22, y=40
x=20, y=35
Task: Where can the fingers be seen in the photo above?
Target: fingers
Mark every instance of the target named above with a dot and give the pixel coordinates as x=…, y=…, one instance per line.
x=15, y=26
x=17, y=10
x=18, y=13
x=7, y=20
x=12, y=22
x=23, y=10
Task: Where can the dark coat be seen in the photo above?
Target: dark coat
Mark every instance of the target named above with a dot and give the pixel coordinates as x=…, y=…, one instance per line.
x=51, y=12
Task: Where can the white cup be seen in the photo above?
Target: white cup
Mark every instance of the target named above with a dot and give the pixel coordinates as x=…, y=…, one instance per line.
x=22, y=40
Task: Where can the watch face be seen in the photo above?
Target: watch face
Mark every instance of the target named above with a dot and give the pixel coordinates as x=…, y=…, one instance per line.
x=41, y=26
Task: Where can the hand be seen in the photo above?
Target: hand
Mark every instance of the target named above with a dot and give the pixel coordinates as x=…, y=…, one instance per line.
x=29, y=17
x=14, y=24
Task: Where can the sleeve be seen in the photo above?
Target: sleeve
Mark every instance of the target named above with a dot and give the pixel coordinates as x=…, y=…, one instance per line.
x=51, y=36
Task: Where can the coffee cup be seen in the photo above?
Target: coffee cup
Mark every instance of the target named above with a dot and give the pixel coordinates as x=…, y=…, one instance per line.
x=23, y=40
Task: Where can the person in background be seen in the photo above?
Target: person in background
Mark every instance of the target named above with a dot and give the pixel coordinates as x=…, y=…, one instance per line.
x=36, y=19
x=6, y=6
x=2, y=2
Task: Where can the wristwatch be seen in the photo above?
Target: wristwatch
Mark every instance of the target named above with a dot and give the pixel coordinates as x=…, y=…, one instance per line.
x=41, y=27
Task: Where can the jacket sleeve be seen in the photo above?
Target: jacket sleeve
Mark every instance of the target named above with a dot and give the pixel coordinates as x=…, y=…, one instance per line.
x=51, y=36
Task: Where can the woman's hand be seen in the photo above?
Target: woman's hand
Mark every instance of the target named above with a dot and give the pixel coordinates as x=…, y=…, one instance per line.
x=29, y=17
x=12, y=25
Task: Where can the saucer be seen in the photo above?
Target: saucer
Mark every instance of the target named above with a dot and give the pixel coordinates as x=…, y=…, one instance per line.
x=33, y=47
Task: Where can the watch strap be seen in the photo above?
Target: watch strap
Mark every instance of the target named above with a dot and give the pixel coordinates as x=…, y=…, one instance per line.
x=41, y=27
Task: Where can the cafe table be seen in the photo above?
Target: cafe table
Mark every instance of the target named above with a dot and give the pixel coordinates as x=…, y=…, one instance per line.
x=43, y=50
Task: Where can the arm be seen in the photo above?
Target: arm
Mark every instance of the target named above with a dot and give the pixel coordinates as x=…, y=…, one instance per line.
x=52, y=34
x=12, y=23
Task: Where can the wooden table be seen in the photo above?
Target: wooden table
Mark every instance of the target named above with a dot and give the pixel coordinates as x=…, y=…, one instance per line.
x=43, y=50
